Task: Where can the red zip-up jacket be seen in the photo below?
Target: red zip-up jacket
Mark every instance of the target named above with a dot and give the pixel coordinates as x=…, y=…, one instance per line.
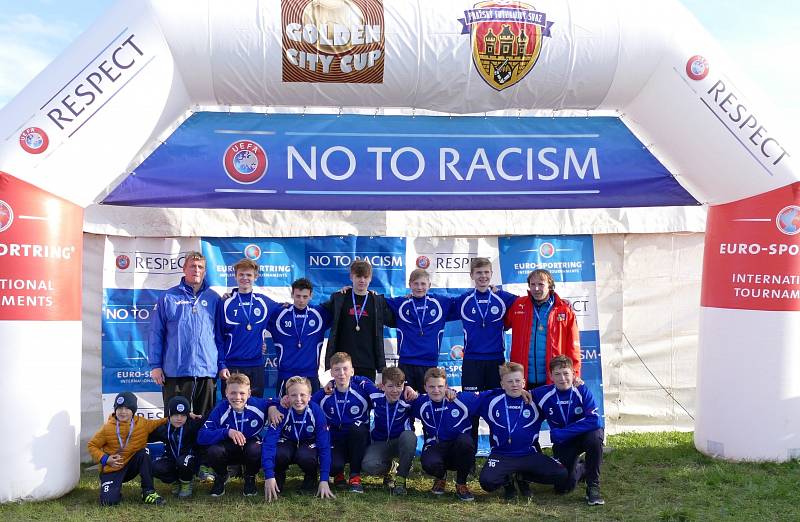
x=563, y=337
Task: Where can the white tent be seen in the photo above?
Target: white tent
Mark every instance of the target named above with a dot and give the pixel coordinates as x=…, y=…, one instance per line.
x=94, y=116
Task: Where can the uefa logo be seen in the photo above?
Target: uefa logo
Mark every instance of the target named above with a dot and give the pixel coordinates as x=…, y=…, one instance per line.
x=697, y=68
x=123, y=262
x=245, y=162
x=252, y=251
x=787, y=220
x=423, y=262
x=547, y=250
x=457, y=352
x=34, y=140
x=6, y=216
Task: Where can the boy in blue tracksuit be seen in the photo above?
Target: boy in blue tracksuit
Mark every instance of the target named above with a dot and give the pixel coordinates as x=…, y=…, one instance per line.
x=302, y=438
x=446, y=424
x=241, y=320
x=298, y=332
x=514, y=425
x=232, y=434
x=575, y=426
x=392, y=433
x=420, y=321
x=180, y=461
x=347, y=412
x=183, y=344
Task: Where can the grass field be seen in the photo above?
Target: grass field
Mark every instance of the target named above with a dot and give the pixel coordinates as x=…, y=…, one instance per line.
x=645, y=477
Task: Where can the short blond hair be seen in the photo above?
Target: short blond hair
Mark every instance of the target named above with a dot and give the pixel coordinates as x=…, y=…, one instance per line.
x=238, y=378
x=244, y=264
x=478, y=262
x=510, y=367
x=294, y=381
x=435, y=373
x=418, y=273
x=340, y=358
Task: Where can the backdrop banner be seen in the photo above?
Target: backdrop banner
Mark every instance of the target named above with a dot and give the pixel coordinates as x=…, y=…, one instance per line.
x=137, y=270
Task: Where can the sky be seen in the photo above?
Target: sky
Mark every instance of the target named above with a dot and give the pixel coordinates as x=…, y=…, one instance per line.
x=764, y=38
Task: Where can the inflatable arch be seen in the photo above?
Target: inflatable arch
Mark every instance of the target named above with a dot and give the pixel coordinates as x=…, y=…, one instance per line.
x=78, y=133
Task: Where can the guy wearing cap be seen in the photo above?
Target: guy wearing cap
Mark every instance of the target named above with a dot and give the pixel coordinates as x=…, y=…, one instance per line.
x=179, y=462
x=119, y=447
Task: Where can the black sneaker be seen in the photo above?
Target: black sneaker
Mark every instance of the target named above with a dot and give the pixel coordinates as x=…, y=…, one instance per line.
x=218, y=489
x=249, y=489
x=509, y=492
x=151, y=497
x=593, y=497
x=309, y=485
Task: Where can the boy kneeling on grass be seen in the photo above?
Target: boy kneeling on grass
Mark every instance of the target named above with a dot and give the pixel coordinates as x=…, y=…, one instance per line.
x=233, y=434
x=302, y=438
x=575, y=427
x=180, y=461
x=514, y=422
x=119, y=447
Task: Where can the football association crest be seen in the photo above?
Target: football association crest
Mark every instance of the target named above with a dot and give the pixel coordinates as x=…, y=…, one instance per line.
x=6, y=216
x=506, y=40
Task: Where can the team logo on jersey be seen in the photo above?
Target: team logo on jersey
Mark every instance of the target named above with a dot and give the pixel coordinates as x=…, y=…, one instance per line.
x=204, y=302
x=254, y=423
x=423, y=262
x=578, y=410
x=454, y=413
x=456, y=352
x=787, y=220
x=494, y=310
x=309, y=428
x=526, y=413
x=257, y=312
x=34, y=140
x=245, y=162
x=6, y=216
x=697, y=67
x=354, y=410
x=312, y=323
x=506, y=38
x=547, y=250
x=123, y=262
x=179, y=408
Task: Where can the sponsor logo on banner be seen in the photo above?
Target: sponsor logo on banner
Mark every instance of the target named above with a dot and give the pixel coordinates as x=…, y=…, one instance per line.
x=547, y=250
x=457, y=352
x=34, y=140
x=564, y=257
x=787, y=220
x=123, y=262
x=719, y=95
x=245, y=162
x=333, y=41
x=506, y=40
x=423, y=262
x=752, y=248
x=697, y=68
x=6, y=216
x=252, y=252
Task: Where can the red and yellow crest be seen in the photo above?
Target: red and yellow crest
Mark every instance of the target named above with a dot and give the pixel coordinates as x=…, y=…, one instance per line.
x=506, y=40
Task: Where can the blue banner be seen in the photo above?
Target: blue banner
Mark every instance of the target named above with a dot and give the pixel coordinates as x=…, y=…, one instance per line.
x=567, y=258
x=329, y=162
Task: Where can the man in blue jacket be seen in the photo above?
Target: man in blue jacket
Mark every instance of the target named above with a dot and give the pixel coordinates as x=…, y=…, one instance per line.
x=183, y=344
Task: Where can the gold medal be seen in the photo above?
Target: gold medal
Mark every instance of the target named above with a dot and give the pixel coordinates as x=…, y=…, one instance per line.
x=541, y=328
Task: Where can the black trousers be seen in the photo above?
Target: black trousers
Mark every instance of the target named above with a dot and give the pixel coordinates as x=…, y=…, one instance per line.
x=280, y=389
x=220, y=455
x=478, y=376
x=369, y=373
x=534, y=467
x=457, y=454
x=254, y=373
x=199, y=391
x=290, y=452
x=168, y=470
x=415, y=376
x=350, y=448
x=567, y=453
x=111, y=483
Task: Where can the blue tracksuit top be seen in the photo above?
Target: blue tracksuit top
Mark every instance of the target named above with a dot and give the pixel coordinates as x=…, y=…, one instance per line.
x=289, y=327
x=183, y=341
x=223, y=418
x=343, y=409
x=420, y=327
x=242, y=347
x=569, y=413
x=481, y=315
x=394, y=416
x=525, y=420
x=309, y=427
x=444, y=421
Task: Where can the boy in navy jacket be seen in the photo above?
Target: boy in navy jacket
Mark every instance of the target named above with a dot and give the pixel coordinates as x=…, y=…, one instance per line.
x=232, y=434
x=575, y=426
x=302, y=438
x=514, y=425
x=179, y=462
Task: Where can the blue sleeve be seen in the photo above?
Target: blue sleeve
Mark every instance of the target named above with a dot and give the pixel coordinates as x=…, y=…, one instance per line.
x=104, y=459
x=212, y=431
x=323, y=444
x=219, y=329
x=394, y=303
x=158, y=332
x=508, y=298
x=366, y=385
x=269, y=447
x=484, y=398
x=471, y=400
x=455, y=310
x=318, y=396
x=589, y=422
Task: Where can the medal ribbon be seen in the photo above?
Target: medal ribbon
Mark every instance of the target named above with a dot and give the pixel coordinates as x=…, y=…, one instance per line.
x=390, y=423
x=569, y=405
x=180, y=441
x=433, y=418
x=482, y=313
x=545, y=307
x=303, y=329
x=421, y=319
x=336, y=403
x=356, y=313
x=127, y=439
x=245, y=309
x=296, y=431
x=508, y=418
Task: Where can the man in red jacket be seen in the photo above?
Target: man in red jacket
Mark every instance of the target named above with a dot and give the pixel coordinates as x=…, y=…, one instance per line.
x=543, y=326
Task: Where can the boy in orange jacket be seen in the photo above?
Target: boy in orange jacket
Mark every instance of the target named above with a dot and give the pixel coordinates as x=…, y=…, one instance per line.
x=119, y=447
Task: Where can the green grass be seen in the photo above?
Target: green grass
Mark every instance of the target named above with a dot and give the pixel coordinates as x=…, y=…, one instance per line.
x=659, y=477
